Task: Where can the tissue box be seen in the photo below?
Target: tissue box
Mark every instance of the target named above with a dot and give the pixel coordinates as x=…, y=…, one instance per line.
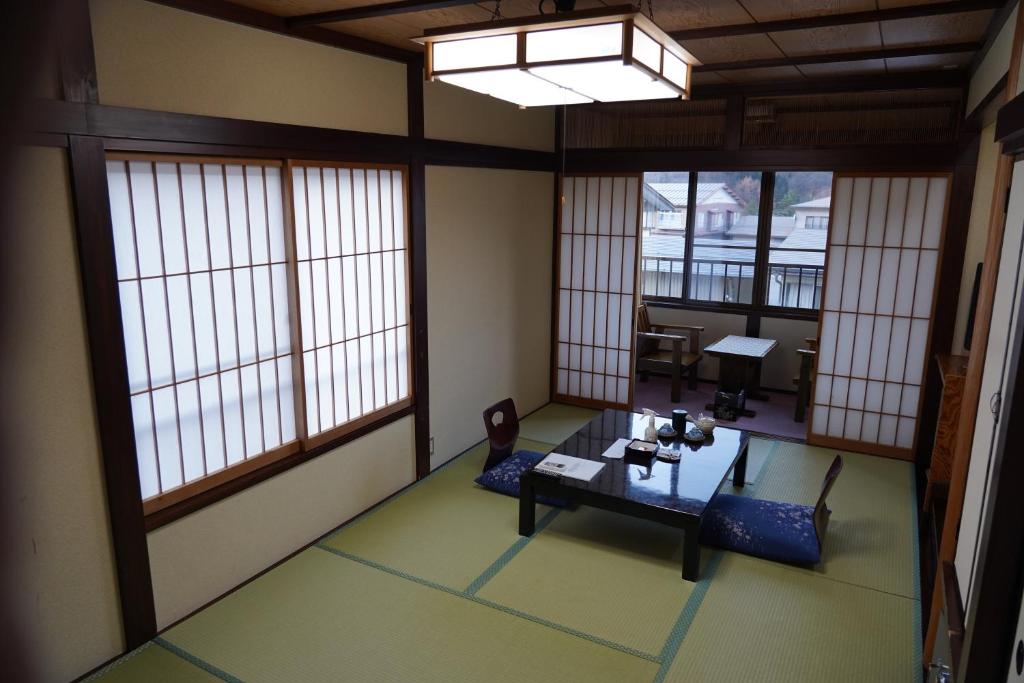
x=639, y=451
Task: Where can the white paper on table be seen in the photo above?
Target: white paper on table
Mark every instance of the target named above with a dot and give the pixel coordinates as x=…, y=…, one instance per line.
x=617, y=449
x=569, y=466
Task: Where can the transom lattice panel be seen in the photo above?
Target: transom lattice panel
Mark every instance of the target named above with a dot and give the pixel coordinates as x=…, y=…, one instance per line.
x=883, y=261
x=597, y=254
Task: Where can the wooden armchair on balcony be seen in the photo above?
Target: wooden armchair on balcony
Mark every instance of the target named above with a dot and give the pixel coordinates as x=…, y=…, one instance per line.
x=805, y=380
x=650, y=357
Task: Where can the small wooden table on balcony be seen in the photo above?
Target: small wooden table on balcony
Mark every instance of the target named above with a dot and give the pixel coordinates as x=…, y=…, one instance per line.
x=739, y=365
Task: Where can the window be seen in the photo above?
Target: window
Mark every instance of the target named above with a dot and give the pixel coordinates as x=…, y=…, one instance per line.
x=219, y=295
x=724, y=244
x=664, y=234
x=796, y=259
x=727, y=252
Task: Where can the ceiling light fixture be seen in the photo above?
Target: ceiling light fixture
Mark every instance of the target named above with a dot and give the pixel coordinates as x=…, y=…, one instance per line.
x=609, y=54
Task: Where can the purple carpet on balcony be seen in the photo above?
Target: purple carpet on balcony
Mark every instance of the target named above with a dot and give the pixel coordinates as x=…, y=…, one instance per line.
x=774, y=417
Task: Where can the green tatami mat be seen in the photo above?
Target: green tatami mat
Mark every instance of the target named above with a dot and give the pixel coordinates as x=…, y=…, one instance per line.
x=446, y=529
x=153, y=664
x=323, y=618
x=761, y=622
x=555, y=422
x=609, y=575
x=758, y=453
x=870, y=537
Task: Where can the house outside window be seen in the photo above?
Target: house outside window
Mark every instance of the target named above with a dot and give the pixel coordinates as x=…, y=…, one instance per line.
x=735, y=256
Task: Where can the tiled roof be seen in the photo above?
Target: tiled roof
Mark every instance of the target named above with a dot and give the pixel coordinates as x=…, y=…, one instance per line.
x=676, y=193
x=820, y=203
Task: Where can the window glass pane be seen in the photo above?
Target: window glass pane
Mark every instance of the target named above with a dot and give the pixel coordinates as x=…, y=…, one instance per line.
x=800, y=219
x=724, y=237
x=663, y=233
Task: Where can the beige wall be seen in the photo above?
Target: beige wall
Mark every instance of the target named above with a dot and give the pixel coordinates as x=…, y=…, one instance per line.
x=451, y=113
x=994, y=65
x=198, y=557
x=489, y=236
x=60, y=552
x=154, y=57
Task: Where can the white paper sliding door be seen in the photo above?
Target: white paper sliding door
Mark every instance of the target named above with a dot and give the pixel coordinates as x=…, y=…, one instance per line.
x=597, y=254
x=880, y=279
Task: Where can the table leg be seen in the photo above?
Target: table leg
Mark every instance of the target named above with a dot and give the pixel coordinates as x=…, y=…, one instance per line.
x=739, y=470
x=527, y=506
x=691, y=553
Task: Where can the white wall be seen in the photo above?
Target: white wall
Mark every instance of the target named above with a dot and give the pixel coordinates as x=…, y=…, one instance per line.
x=61, y=554
x=489, y=237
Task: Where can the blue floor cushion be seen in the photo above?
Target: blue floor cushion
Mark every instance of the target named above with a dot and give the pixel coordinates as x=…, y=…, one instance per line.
x=783, y=532
x=504, y=477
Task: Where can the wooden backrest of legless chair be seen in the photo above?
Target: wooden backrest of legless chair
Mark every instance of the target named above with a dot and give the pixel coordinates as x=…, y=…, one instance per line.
x=502, y=424
x=643, y=321
x=643, y=324
x=821, y=511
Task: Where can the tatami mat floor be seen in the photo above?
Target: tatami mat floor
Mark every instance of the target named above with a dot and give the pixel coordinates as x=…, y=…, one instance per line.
x=436, y=585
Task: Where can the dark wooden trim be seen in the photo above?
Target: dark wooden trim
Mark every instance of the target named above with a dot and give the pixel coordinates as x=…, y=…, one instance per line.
x=834, y=57
x=735, y=110
x=247, y=16
x=539, y=19
x=166, y=515
x=450, y=153
x=810, y=316
x=77, y=59
x=384, y=9
x=876, y=158
x=992, y=618
x=418, y=261
x=556, y=243
x=985, y=111
x=110, y=385
x=842, y=19
x=127, y=128
x=762, y=244
x=1010, y=126
x=944, y=78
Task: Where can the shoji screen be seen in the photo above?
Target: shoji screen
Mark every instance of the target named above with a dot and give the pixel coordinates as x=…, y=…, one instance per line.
x=881, y=269
x=352, y=274
x=201, y=266
x=597, y=254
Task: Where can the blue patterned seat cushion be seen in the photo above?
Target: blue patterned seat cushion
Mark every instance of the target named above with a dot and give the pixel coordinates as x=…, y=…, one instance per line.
x=504, y=477
x=782, y=532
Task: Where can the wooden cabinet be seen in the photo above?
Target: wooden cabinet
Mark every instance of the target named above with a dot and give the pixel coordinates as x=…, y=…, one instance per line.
x=952, y=370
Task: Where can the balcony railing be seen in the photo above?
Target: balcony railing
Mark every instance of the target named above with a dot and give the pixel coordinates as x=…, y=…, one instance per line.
x=724, y=281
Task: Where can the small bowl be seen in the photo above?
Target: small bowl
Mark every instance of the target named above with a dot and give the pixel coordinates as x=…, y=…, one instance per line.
x=705, y=424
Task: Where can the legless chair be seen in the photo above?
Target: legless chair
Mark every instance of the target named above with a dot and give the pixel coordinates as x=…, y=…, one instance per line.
x=783, y=532
x=502, y=424
x=805, y=381
x=650, y=357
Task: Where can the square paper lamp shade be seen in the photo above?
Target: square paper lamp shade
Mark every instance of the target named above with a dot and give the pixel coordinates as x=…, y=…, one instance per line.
x=602, y=55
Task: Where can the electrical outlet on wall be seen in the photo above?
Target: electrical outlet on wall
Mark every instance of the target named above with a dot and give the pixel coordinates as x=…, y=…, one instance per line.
x=431, y=445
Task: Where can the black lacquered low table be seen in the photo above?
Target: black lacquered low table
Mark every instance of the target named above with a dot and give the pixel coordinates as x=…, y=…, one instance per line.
x=676, y=494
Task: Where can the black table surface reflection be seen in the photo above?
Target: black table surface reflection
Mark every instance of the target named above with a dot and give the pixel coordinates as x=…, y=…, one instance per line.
x=674, y=493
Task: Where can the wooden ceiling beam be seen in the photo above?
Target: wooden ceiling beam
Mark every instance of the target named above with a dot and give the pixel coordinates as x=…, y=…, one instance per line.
x=832, y=58
x=370, y=11
x=843, y=19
